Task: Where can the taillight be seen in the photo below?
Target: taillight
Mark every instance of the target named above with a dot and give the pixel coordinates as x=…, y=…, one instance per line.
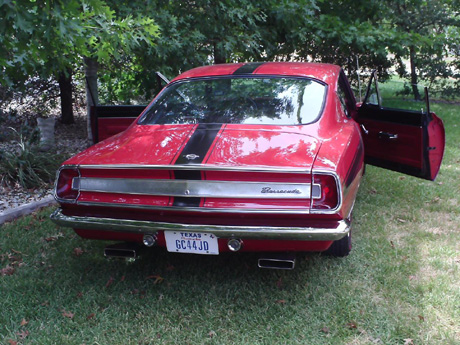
x=64, y=184
x=328, y=196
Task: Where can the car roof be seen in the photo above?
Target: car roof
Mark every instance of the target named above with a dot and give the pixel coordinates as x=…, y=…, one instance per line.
x=325, y=72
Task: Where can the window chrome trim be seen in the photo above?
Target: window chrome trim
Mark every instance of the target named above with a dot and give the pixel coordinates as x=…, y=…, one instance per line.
x=339, y=230
x=243, y=76
x=198, y=188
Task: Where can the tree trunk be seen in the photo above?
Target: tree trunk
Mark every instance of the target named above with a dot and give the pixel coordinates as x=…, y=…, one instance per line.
x=65, y=87
x=413, y=74
x=91, y=90
x=219, y=55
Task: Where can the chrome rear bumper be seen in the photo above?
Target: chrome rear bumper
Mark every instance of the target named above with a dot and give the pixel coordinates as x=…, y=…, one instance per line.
x=222, y=231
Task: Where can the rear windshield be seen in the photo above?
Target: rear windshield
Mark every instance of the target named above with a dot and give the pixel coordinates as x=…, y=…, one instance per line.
x=239, y=100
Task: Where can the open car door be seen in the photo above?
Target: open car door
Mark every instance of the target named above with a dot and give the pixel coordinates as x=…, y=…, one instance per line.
x=108, y=120
x=408, y=141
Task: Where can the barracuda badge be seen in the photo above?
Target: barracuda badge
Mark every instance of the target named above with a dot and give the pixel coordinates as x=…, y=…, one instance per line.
x=191, y=156
x=280, y=191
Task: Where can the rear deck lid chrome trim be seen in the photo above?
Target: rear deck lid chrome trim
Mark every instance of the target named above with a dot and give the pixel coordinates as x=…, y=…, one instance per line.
x=198, y=188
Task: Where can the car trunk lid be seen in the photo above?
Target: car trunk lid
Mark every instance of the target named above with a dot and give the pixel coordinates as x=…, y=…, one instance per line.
x=201, y=168
x=208, y=144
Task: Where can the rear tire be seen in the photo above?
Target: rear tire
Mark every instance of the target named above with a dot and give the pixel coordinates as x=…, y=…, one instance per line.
x=340, y=248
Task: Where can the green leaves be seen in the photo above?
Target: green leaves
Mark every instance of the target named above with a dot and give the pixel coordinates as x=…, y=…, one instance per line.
x=46, y=37
x=52, y=36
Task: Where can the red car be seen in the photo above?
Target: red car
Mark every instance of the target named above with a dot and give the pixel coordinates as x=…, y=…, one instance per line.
x=241, y=157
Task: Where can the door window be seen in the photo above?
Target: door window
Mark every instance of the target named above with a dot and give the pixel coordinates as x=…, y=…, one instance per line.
x=373, y=94
x=399, y=95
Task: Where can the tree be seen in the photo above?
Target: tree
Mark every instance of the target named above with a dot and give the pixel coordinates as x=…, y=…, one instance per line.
x=193, y=33
x=267, y=30
x=347, y=31
x=50, y=38
x=421, y=35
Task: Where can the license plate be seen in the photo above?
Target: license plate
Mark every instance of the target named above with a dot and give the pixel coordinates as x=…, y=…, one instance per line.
x=191, y=242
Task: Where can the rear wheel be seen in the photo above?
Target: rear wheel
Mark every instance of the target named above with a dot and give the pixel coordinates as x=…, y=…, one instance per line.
x=340, y=248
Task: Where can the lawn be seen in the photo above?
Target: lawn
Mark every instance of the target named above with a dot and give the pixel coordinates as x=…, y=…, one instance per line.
x=400, y=284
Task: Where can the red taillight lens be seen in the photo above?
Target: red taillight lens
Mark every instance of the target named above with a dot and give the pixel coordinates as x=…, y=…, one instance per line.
x=64, y=188
x=327, y=192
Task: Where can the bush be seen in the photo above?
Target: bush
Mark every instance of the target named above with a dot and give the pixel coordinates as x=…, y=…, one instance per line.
x=26, y=165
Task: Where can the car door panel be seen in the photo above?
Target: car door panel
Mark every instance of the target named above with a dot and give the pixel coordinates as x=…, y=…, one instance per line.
x=108, y=120
x=436, y=144
x=411, y=142
x=393, y=145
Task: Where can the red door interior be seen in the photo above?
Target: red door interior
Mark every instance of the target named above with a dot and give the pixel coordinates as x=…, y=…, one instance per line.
x=411, y=142
x=108, y=120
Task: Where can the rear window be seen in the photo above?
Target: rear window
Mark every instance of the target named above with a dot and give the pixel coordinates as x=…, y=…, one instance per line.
x=239, y=100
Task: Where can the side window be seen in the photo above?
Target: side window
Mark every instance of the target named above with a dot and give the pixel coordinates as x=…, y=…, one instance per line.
x=373, y=95
x=392, y=94
x=347, y=100
x=341, y=95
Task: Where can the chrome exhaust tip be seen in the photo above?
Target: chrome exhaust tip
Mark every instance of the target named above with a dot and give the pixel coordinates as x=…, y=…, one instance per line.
x=122, y=250
x=149, y=240
x=234, y=244
x=277, y=262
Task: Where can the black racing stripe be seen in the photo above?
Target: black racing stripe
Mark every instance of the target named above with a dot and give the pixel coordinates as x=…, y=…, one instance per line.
x=354, y=168
x=187, y=175
x=199, y=143
x=248, y=68
x=196, y=149
x=180, y=201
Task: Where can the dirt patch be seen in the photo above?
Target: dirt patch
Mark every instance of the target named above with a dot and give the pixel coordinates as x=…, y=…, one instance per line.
x=441, y=223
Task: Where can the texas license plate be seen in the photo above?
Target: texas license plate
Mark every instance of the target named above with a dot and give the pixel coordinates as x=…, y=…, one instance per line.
x=191, y=242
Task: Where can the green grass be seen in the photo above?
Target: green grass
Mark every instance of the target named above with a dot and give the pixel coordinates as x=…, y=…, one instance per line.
x=400, y=285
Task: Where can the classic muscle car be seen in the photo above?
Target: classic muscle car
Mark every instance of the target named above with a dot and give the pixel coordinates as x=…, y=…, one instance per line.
x=242, y=157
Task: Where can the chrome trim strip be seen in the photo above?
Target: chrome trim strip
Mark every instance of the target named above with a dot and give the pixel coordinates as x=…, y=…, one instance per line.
x=269, y=169
x=216, y=168
x=197, y=188
x=223, y=231
x=195, y=209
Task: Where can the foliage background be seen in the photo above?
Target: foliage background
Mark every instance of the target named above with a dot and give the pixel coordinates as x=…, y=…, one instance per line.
x=47, y=44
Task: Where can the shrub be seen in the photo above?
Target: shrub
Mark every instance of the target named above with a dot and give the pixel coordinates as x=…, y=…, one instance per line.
x=26, y=165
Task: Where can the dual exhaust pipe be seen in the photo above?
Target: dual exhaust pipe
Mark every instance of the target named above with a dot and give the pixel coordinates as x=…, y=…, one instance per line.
x=279, y=261
x=122, y=251
x=129, y=250
x=276, y=261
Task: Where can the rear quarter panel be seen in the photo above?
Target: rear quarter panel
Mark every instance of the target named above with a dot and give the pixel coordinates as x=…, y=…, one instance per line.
x=343, y=153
